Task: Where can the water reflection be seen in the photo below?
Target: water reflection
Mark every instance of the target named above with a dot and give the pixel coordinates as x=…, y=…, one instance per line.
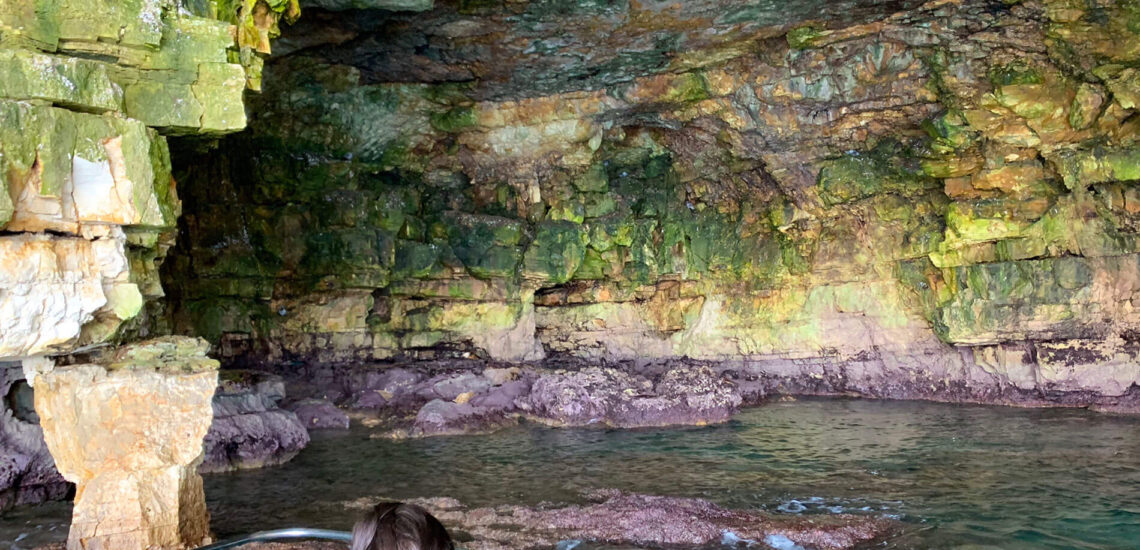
x=960, y=477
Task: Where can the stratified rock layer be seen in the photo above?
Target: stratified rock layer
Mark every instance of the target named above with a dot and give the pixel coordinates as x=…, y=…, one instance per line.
x=88, y=92
x=129, y=434
x=930, y=200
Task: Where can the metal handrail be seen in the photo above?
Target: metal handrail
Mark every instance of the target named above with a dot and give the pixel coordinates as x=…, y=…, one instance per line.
x=282, y=534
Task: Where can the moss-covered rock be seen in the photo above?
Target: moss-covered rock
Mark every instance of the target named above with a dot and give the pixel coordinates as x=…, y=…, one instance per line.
x=888, y=168
x=879, y=193
x=556, y=252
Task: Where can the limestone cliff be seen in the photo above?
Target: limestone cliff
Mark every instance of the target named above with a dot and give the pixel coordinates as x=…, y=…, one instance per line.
x=902, y=199
x=89, y=92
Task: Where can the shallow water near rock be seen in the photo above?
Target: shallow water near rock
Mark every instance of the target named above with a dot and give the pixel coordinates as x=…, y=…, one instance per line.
x=957, y=476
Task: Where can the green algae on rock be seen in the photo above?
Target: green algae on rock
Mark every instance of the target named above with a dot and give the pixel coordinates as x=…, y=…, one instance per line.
x=882, y=189
x=88, y=95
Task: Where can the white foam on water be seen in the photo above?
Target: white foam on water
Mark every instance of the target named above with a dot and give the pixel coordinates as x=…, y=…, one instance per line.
x=728, y=538
x=780, y=542
x=792, y=507
x=568, y=544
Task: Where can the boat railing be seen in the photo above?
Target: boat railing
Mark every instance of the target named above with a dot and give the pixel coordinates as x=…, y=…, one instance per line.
x=278, y=535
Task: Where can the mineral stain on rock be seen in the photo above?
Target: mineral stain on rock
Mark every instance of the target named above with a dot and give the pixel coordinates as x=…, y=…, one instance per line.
x=449, y=217
x=878, y=196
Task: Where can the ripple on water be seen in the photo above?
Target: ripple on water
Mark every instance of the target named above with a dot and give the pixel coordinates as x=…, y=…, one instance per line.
x=958, y=476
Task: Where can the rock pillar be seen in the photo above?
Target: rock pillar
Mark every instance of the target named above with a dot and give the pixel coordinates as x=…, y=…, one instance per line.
x=128, y=432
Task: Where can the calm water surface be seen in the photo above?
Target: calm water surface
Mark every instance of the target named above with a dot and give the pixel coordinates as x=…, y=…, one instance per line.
x=957, y=476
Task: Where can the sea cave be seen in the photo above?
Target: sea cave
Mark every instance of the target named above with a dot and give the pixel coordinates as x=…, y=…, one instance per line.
x=570, y=274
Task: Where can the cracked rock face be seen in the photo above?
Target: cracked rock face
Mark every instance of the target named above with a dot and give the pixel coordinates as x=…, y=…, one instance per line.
x=88, y=94
x=881, y=198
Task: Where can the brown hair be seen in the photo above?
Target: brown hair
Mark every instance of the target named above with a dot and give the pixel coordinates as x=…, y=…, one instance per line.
x=400, y=526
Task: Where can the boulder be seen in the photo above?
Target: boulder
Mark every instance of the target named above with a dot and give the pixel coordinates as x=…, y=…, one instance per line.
x=249, y=429
x=440, y=417
x=316, y=414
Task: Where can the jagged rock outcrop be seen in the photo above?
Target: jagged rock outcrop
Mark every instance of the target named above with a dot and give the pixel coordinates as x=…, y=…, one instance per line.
x=917, y=199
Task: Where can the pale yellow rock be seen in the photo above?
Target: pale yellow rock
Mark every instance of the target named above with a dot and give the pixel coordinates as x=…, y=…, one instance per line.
x=110, y=182
x=129, y=434
x=1008, y=362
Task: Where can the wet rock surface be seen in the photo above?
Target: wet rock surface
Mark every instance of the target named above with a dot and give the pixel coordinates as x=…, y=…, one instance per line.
x=319, y=414
x=469, y=396
x=438, y=399
x=597, y=395
x=249, y=429
x=615, y=517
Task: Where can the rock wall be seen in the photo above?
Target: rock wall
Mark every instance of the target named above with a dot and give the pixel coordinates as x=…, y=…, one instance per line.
x=87, y=203
x=89, y=93
x=899, y=199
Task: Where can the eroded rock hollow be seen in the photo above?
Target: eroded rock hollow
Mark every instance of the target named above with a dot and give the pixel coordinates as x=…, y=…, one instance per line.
x=893, y=199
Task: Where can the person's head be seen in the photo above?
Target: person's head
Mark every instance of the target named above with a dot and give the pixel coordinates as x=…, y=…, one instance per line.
x=399, y=526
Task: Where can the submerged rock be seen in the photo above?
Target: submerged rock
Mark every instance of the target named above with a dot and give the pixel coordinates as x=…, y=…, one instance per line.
x=615, y=517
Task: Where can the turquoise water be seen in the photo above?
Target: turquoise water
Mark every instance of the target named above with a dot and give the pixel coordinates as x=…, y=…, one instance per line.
x=956, y=476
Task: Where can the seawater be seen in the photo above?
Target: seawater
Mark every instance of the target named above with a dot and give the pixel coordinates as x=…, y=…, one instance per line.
x=955, y=476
